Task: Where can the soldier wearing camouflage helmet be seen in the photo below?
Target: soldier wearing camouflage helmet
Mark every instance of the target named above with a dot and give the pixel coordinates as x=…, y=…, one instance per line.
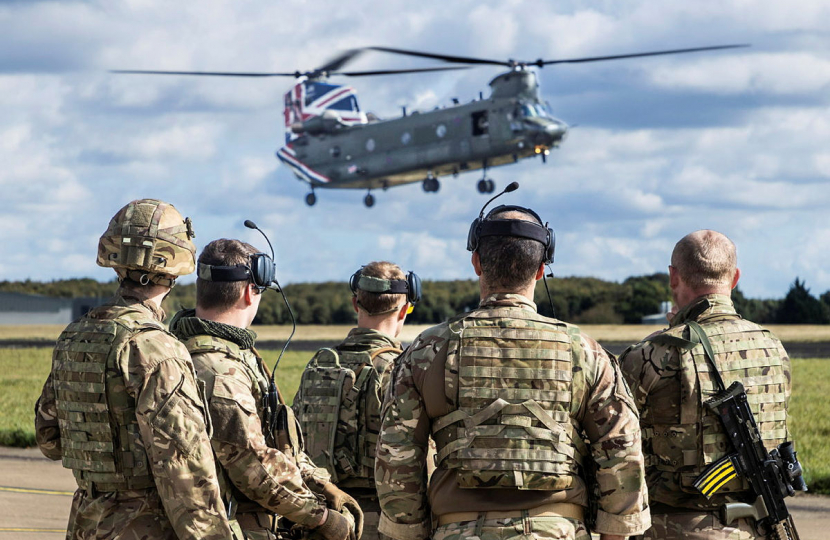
x=341, y=432
x=121, y=406
x=264, y=473
x=520, y=406
x=671, y=377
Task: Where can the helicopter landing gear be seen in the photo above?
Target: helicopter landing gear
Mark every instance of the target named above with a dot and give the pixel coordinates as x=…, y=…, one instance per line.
x=311, y=198
x=431, y=184
x=369, y=200
x=486, y=185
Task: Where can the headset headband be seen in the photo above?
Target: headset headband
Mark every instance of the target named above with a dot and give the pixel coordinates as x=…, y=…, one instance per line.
x=514, y=227
x=410, y=286
x=239, y=272
x=382, y=286
x=520, y=228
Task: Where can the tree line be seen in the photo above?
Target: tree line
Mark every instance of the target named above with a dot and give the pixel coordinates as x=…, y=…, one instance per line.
x=575, y=299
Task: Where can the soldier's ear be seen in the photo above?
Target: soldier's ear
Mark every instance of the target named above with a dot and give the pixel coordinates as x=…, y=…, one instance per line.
x=540, y=272
x=248, y=294
x=354, y=304
x=476, y=260
x=736, y=277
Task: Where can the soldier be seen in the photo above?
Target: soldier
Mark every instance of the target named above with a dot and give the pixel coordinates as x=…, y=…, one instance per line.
x=262, y=472
x=121, y=406
x=341, y=435
x=510, y=397
x=670, y=378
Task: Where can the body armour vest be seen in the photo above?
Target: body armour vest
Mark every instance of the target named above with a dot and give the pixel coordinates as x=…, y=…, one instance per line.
x=100, y=439
x=684, y=447
x=509, y=373
x=339, y=410
x=286, y=438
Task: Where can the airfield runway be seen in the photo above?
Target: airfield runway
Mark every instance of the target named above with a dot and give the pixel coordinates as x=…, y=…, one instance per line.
x=35, y=494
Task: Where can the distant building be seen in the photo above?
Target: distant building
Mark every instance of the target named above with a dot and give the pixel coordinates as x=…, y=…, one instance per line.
x=20, y=308
x=658, y=318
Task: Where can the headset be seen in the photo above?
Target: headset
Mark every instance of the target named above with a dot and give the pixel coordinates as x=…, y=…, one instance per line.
x=484, y=226
x=261, y=270
x=411, y=286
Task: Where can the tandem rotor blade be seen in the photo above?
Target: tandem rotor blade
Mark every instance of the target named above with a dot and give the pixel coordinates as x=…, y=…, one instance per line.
x=206, y=73
x=541, y=63
x=444, y=57
x=339, y=61
x=395, y=71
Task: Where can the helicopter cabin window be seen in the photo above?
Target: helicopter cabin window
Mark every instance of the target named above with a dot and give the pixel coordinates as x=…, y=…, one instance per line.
x=406, y=137
x=370, y=145
x=441, y=130
x=334, y=151
x=481, y=125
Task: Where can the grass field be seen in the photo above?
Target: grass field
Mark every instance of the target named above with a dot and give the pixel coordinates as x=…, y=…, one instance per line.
x=630, y=333
x=22, y=372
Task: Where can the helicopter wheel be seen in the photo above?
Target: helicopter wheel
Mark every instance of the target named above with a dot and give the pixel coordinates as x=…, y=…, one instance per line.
x=491, y=185
x=482, y=185
x=310, y=199
x=369, y=200
x=431, y=185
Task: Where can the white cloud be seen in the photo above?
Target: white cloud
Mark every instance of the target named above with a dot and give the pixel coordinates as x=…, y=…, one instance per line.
x=775, y=74
x=76, y=145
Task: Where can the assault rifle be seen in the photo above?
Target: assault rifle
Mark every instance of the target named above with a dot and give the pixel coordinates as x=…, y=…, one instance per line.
x=772, y=475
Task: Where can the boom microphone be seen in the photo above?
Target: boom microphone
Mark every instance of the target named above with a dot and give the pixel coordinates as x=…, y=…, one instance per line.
x=512, y=186
x=251, y=225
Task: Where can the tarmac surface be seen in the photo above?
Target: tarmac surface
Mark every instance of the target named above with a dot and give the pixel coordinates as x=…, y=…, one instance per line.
x=35, y=494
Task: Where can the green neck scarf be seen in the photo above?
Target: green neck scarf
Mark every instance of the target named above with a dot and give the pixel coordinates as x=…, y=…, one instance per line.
x=186, y=325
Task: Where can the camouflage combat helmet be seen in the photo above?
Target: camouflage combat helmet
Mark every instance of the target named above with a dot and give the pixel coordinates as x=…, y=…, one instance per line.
x=148, y=241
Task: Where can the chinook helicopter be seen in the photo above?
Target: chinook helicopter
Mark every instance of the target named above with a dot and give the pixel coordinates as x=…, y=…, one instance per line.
x=330, y=143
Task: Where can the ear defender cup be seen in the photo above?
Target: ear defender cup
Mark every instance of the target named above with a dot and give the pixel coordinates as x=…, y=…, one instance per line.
x=413, y=283
x=354, y=279
x=263, y=270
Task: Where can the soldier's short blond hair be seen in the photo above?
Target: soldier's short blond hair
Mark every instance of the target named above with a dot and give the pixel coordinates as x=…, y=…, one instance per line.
x=704, y=259
x=374, y=303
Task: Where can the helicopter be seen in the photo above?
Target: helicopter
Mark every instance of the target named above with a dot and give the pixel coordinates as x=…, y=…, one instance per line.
x=330, y=143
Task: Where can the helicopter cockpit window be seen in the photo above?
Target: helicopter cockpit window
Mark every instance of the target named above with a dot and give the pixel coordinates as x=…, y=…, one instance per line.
x=345, y=104
x=530, y=110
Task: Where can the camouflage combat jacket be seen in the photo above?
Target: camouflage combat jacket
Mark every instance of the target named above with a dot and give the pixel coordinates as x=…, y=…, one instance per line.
x=670, y=378
x=260, y=478
x=423, y=390
x=381, y=350
x=121, y=408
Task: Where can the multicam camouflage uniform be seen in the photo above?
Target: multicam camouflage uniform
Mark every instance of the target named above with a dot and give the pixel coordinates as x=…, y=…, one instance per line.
x=122, y=409
x=261, y=480
x=367, y=346
x=509, y=396
x=670, y=379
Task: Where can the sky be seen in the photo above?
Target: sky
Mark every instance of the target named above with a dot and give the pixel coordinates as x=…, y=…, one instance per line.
x=735, y=141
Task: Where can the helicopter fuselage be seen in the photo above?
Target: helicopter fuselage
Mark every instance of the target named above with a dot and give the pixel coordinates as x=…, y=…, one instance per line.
x=512, y=124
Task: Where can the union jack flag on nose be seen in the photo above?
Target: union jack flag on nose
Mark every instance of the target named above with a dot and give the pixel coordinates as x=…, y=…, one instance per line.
x=312, y=98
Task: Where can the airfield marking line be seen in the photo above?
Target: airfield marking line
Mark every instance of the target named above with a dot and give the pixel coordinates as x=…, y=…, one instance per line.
x=36, y=491
x=20, y=529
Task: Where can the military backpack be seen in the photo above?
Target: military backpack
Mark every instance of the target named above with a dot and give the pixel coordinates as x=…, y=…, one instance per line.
x=338, y=407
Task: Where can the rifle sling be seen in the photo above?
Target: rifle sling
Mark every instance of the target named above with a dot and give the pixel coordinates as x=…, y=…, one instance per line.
x=697, y=335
